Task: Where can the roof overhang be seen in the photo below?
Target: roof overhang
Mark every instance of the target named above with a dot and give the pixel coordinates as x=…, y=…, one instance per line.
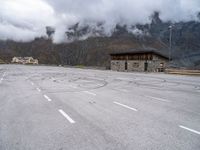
x=135, y=52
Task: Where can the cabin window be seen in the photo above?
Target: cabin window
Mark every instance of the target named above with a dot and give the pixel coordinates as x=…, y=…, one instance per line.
x=135, y=65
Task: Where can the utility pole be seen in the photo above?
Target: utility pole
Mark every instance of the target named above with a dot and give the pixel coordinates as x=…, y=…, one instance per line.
x=170, y=42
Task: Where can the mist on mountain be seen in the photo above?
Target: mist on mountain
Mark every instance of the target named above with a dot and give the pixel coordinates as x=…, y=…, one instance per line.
x=23, y=20
x=78, y=32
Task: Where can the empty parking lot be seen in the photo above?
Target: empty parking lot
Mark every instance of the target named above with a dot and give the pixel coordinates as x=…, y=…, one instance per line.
x=43, y=107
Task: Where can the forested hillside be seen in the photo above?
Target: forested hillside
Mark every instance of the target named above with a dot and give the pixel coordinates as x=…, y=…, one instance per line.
x=95, y=50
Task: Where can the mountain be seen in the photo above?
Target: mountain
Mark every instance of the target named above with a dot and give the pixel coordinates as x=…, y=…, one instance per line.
x=90, y=46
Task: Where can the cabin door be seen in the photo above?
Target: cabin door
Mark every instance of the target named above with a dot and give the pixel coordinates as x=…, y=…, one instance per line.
x=145, y=66
x=126, y=65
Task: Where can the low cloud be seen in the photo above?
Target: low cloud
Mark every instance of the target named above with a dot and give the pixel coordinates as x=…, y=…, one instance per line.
x=23, y=20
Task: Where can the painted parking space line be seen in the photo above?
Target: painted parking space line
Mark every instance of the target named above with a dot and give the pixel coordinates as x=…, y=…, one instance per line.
x=158, y=99
x=66, y=116
x=131, y=108
x=189, y=129
x=126, y=79
x=2, y=78
x=87, y=92
x=31, y=83
x=45, y=96
x=120, y=90
x=4, y=74
x=123, y=90
x=53, y=79
x=73, y=86
x=38, y=89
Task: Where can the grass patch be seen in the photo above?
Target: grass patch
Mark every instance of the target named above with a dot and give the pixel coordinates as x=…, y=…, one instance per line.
x=1, y=61
x=79, y=66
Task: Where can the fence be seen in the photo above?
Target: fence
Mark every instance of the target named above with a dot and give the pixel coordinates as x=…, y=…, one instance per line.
x=182, y=71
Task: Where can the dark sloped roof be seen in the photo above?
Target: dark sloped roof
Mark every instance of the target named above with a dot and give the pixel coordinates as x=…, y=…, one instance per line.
x=140, y=51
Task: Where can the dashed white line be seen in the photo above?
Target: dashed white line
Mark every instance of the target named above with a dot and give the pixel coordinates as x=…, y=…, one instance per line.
x=38, y=89
x=1, y=80
x=2, y=77
x=53, y=78
x=123, y=90
x=191, y=130
x=125, y=106
x=66, y=116
x=127, y=79
x=90, y=93
x=73, y=86
x=159, y=99
x=32, y=83
x=45, y=96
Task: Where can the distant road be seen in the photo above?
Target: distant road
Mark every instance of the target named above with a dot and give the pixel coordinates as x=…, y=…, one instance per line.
x=56, y=108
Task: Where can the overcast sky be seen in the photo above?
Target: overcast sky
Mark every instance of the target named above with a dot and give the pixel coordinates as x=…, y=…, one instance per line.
x=23, y=20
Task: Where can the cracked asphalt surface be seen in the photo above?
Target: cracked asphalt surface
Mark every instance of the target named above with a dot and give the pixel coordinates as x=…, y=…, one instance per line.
x=56, y=108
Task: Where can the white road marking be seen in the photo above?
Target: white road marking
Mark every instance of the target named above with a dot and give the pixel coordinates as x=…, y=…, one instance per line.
x=191, y=130
x=66, y=116
x=45, y=96
x=53, y=78
x=125, y=106
x=90, y=93
x=127, y=79
x=73, y=86
x=38, y=89
x=1, y=80
x=3, y=75
x=123, y=90
x=159, y=99
x=32, y=83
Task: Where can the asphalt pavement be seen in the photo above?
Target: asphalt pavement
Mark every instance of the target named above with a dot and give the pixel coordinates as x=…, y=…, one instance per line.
x=57, y=108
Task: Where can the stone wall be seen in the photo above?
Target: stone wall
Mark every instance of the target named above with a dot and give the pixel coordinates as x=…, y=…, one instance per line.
x=136, y=65
x=154, y=65
x=139, y=65
x=118, y=65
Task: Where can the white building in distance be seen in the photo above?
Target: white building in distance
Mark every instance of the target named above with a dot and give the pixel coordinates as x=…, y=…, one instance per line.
x=25, y=60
